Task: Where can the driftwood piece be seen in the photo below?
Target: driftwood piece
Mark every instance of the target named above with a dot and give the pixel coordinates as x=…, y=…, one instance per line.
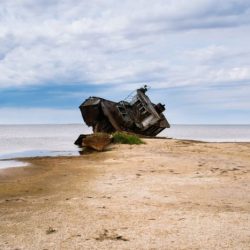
x=97, y=141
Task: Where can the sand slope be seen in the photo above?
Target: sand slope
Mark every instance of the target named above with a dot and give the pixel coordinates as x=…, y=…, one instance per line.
x=166, y=194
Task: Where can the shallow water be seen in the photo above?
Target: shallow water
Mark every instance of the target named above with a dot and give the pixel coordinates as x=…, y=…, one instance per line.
x=12, y=163
x=17, y=141
x=210, y=133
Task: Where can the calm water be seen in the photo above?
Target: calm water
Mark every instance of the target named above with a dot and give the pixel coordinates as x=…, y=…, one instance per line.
x=210, y=133
x=52, y=140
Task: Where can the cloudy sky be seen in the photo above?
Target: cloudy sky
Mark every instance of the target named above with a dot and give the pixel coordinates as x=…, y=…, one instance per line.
x=194, y=54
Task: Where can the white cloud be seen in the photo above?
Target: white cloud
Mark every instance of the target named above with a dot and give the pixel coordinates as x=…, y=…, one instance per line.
x=123, y=42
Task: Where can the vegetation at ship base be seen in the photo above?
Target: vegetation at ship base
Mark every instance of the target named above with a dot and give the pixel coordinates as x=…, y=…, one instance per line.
x=126, y=138
x=120, y=137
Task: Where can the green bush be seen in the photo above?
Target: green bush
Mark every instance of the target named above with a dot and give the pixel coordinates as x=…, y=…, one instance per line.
x=125, y=138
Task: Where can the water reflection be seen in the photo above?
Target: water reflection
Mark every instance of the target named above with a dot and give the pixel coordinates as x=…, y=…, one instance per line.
x=38, y=153
x=12, y=164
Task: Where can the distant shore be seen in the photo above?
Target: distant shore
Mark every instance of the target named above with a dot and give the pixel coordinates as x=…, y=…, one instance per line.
x=166, y=194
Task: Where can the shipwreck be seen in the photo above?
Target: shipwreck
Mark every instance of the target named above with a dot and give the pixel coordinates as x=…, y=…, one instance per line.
x=136, y=114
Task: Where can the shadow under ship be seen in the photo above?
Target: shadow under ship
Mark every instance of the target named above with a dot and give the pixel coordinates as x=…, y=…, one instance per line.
x=137, y=114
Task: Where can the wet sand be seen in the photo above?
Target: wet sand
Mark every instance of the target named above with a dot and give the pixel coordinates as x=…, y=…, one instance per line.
x=166, y=194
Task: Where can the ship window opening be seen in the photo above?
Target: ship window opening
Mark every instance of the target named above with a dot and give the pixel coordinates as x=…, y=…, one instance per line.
x=122, y=111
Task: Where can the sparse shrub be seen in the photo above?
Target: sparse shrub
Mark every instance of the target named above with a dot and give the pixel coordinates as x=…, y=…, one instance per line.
x=50, y=230
x=126, y=138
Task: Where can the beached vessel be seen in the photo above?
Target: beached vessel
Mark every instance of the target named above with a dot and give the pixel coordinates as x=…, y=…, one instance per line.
x=136, y=114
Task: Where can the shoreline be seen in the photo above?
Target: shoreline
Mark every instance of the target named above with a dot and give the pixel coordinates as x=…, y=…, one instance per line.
x=28, y=154
x=164, y=194
x=74, y=153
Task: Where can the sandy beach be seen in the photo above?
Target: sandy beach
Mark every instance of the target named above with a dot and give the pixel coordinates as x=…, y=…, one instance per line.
x=165, y=194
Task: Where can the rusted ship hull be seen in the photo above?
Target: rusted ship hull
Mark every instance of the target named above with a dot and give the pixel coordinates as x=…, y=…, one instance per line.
x=139, y=115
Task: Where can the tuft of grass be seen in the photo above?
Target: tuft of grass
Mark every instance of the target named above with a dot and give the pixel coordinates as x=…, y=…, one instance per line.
x=125, y=138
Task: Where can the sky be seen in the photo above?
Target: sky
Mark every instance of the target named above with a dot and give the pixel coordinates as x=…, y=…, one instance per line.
x=194, y=55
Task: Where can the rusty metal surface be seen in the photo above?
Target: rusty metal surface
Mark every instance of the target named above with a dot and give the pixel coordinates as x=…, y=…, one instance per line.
x=139, y=115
